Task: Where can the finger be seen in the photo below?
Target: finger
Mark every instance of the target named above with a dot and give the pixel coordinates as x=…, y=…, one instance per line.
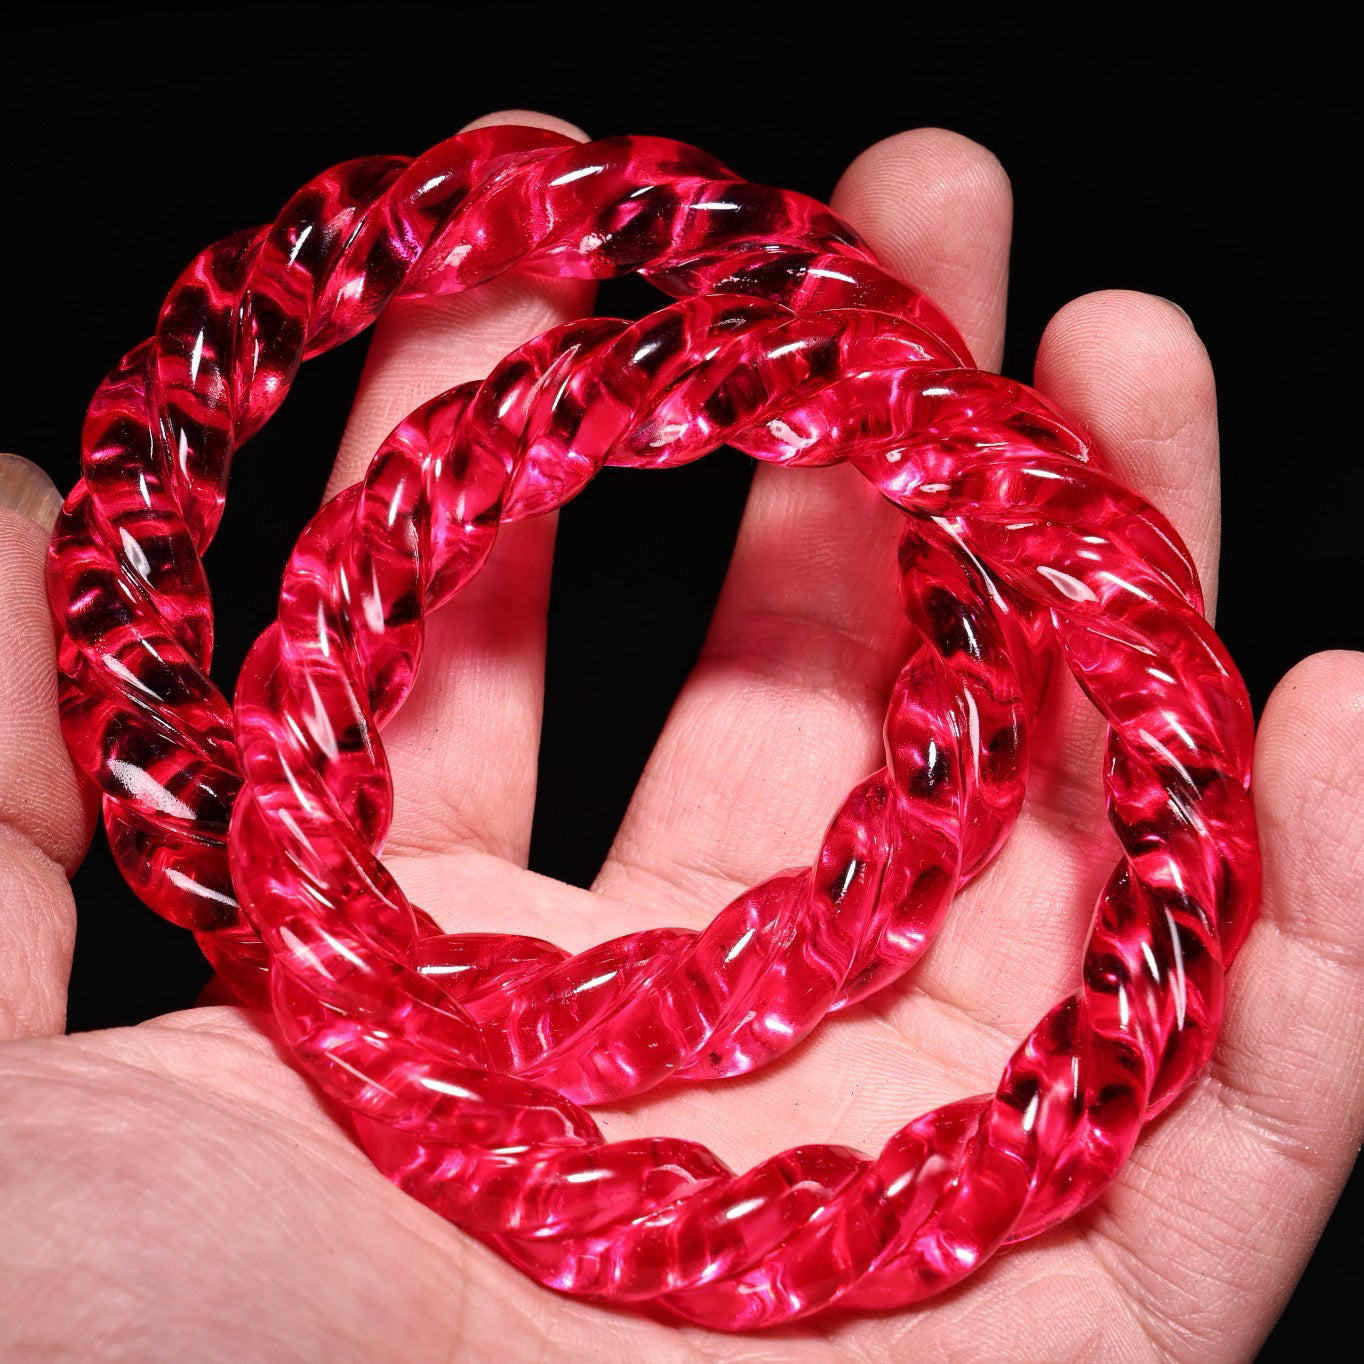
x=1133, y=367
x=1131, y=370
x=45, y=816
x=783, y=712
x=1223, y=1203
x=464, y=747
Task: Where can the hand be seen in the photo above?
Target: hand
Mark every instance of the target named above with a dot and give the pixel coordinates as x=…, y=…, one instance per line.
x=177, y=1190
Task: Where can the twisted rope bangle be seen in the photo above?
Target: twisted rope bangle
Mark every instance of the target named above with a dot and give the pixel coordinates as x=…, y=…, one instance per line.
x=126, y=581
x=999, y=491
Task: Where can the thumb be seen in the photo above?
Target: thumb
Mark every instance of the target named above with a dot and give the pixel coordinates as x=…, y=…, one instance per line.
x=45, y=817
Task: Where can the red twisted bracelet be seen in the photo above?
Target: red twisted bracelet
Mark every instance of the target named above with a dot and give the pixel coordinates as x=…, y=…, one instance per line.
x=999, y=492
x=518, y=1164
x=145, y=721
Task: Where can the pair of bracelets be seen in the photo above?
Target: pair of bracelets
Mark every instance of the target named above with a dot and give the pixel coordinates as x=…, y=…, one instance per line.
x=465, y=1059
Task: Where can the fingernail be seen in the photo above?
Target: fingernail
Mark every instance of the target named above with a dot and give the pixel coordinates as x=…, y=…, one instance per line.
x=26, y=489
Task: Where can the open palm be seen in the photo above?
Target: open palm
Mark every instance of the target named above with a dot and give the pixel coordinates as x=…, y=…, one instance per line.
x=175, y=1190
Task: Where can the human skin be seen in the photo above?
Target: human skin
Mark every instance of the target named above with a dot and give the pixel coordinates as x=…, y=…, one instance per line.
x=176, y=1190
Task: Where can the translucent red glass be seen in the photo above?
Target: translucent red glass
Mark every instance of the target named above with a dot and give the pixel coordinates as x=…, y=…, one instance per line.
x=463, y=1059
x=146, y=722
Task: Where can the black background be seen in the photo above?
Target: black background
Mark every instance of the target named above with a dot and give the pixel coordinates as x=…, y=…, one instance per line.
x=1207, y=171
